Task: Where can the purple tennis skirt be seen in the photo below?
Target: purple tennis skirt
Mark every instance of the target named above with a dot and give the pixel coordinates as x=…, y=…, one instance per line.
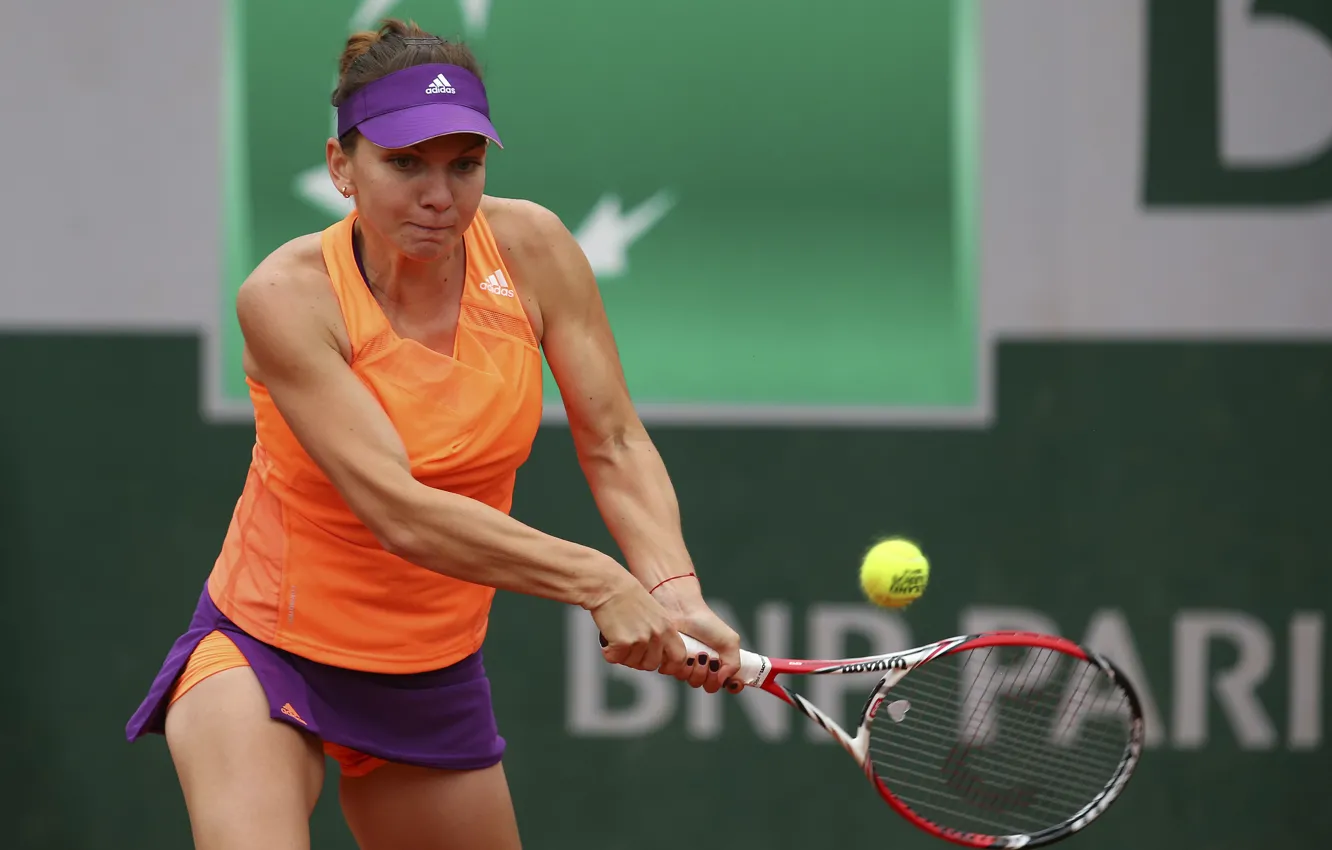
x=440, y=718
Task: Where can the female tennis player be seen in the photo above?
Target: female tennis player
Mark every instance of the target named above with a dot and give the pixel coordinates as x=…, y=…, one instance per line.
x=394, y=363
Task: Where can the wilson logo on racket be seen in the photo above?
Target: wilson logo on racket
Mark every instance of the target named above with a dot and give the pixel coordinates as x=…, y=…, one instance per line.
x=874, y=666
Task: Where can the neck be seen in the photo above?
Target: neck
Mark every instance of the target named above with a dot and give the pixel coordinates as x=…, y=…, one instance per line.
x=400, y=280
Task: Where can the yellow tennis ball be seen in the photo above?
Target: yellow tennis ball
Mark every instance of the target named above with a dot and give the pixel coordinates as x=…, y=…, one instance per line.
x=894, y=573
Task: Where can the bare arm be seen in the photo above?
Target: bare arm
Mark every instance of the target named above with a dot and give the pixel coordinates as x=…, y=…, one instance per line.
x=627, y=476
x=628, y=479
x=288, y=318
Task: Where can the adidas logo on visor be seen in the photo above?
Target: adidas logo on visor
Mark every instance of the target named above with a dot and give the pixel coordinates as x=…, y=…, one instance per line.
x=440, y=86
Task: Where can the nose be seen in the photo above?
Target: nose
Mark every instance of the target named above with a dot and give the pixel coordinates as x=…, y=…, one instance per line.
x=436, y=193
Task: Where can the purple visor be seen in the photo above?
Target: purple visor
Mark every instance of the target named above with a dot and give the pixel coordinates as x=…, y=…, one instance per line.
x=418, y=103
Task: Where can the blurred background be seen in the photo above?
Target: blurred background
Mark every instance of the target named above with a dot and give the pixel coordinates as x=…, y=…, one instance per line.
x=1045, y=286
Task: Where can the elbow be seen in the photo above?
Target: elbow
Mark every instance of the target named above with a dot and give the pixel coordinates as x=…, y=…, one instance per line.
x=398, y=538
x=391, y=518
x=611, y=448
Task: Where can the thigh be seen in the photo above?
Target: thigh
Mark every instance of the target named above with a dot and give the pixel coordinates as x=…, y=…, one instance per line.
x=249, y=781
x=401, y=807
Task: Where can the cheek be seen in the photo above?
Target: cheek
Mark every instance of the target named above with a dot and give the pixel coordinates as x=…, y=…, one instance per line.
x=384, y=197
x=468, y=183
x=467, y=205
x=467, y=194
x=386, y=187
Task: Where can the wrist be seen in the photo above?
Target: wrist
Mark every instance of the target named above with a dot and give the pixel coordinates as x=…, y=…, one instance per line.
x=604, y=579
x=680, y=596
x=691, y=577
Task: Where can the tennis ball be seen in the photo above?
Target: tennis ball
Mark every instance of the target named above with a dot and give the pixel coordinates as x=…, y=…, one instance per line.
x=894, y=573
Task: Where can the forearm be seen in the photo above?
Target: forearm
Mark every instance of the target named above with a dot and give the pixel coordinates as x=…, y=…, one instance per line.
x=466, y=539
x=637, y=502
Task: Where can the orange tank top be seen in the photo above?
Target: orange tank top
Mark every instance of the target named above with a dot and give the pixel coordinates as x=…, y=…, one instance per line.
x=297, y=569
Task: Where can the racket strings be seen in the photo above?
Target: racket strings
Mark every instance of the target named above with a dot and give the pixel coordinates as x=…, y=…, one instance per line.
x=964, y=767
x=963, y=778
x=1029, y=725
x=993, y=747
x=1045, y=773
x=943, y=740
x=1062, y=767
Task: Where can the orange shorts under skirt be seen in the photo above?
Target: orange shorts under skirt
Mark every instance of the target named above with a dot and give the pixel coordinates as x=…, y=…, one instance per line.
x=216, y=653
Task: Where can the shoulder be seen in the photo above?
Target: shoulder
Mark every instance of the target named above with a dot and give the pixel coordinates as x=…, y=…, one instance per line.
x=289, y=294
x=537, y=247
x=523, y=227
x=294, y=271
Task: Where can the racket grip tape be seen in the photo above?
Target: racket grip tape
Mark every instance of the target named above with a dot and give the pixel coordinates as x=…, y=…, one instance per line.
x=753, y=667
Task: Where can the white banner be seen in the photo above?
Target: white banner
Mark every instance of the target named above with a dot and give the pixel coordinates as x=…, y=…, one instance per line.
x=111, y=218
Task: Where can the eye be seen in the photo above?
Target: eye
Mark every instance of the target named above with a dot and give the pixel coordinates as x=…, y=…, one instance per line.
x=403, y=162
x=466, y=165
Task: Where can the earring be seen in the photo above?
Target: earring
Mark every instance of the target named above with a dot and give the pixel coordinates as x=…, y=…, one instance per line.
x=344, y=192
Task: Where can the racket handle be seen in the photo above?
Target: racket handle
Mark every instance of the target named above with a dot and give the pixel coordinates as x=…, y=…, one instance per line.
x=753, y=667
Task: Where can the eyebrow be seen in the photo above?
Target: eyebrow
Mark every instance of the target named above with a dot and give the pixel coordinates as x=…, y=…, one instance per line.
x=478, y=144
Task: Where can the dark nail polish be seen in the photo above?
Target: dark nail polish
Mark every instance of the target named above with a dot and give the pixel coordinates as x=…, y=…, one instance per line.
x=689, y=662
x=702, y=658
x=715, y=665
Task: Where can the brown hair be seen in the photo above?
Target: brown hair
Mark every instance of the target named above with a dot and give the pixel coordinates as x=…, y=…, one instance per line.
x=372, y=54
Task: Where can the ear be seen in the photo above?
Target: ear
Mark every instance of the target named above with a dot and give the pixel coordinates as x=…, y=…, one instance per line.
x=340, y=168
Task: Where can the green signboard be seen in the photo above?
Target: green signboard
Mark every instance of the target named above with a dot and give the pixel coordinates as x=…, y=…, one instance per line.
x=778, y=198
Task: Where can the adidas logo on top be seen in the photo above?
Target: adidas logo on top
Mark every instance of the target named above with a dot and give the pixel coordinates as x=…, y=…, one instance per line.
x=497, y=284
x=439, y=85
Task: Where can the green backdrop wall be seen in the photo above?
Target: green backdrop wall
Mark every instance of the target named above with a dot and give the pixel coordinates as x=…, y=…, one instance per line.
x=1168, y=502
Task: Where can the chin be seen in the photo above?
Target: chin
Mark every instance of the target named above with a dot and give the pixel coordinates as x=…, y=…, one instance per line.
x=426, y=249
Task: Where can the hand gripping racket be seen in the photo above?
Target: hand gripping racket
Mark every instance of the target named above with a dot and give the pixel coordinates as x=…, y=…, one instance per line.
x=1001, y=739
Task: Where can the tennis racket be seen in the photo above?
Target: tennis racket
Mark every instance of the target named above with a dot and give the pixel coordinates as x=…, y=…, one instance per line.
x=1001, y=739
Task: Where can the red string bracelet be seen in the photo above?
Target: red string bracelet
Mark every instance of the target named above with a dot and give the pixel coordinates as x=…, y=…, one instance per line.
x=672, y=578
